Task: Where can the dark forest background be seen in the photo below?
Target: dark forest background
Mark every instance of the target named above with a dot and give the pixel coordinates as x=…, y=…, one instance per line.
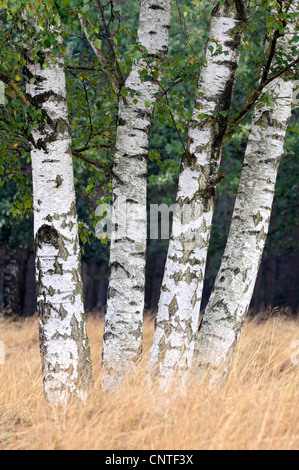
x=89, y=101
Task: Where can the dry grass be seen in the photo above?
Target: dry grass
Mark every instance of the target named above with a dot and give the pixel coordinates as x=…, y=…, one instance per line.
x=256, y=409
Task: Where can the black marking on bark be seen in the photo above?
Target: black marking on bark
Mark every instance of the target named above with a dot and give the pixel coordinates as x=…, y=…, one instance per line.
x=139, y=288
x=124, y=240
x=47, y=235
x=58, y=181
x=146, y=130
x=132, y=201
x=194, y=298
x=140, y=113
x=231, y=64
x=173, y=307
x=84, y=369
x=121, y=122
x=156, y=7
x=246, y=289
x=63, y=312
x=111, y=293
x=116, y=265
x=40, y=99
x=257, y=218
x=58, y=268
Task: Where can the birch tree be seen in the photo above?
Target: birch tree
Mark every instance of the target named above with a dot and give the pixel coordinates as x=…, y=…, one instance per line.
x=64, y=347
x=229, y=302
x=181, y=293
x=125, y=306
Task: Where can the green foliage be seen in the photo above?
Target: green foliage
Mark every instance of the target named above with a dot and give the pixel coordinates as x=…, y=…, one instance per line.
x=93, y=103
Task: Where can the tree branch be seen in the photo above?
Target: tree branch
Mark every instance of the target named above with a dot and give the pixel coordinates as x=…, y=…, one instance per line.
x=105, y=61
x=12, y=85
x=118, y=70
x=93, y=162
x=251, y=101
x=166, y=90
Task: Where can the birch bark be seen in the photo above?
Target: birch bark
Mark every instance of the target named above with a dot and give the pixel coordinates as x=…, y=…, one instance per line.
x=229, y=302
x=125, y=306
x=181, y=293
x=64, y=347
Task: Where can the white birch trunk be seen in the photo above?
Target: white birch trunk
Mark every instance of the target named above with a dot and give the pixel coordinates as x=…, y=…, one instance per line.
x=181, y=294
x=63, y=340
x=124, y=317
x=229, y=302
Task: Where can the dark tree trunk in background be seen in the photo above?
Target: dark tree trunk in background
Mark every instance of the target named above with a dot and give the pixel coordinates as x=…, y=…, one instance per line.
x=293, y=281
x=30, y=293
x=95, y=281
x=157, y=282
x=89, y=302
x=256, y=298
x=270, y=276
x=11, y=291
x=102, y=273
x=84, y=280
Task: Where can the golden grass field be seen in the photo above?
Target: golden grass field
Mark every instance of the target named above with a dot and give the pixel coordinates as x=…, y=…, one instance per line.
x=256, y=409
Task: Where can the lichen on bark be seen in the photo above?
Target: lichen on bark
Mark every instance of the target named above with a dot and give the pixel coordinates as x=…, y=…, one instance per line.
x=124, y=317
x=188, y=246
x=64, y=347
x=228, y=305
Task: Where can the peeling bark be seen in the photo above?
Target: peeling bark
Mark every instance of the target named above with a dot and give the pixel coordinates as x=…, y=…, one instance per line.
x=63, y=340
x=181, y=293
x=124, y=317
x=229, y=302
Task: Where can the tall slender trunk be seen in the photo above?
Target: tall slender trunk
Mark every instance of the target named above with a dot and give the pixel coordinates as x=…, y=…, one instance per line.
x=229, y=302
x=125, y=305
x=63, y=340
x=181, y=293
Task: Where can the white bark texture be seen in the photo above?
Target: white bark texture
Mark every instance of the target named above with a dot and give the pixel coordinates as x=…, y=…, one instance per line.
x=63, y=340
x=124, y=317
x=229, y=302
x=181, y=294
